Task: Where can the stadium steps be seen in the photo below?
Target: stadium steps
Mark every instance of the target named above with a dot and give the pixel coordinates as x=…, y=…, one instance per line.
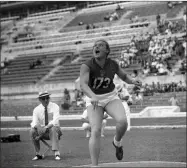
x=18, y=71
x=151, y=9
x=89, y=18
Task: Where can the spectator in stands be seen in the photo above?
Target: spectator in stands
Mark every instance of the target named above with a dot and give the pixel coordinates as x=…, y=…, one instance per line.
x=158, y=87
x=38, y=45
x=146, y=70
x=184, y=45
x=153, y=68
x=32, y=65
x=147, y=90
x=122, y=63
x=80, y=23
x=179, y=49
x=76, y=94
x=153, y=87
x=66, y=91
x=80, y=99
x=132, y=52
x=173, y=100
x=6, y=62
x=66, y=100
x=77, y=51
x=180, y=86
x=2, y=65
x=161, y=69
x=118, y=7
x=183, y=67
x=38, y=62
x=158, y=19
x=151, y=48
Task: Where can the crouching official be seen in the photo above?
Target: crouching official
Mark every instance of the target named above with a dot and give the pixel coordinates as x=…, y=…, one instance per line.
x=86, y=124
x=45, y=125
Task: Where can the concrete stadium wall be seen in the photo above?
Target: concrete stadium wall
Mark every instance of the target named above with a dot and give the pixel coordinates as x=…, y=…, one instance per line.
x=17, y=92
x=56, y=89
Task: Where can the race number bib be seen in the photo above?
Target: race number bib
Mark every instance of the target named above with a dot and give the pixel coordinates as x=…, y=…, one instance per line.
x=101, y=82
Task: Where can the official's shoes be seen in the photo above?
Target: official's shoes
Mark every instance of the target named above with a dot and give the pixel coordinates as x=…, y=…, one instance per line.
x=37, y=157
x=57, y=157
x=119, y=151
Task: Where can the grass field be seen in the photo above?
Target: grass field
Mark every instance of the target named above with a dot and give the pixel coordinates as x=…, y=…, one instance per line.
x=139, y=145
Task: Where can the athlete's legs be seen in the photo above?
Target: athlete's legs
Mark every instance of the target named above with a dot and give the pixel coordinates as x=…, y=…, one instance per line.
x=103, y=127
x=116, y=110
x=95, y=118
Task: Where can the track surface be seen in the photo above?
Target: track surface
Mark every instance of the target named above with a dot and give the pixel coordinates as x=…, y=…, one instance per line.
x=111, y=122
x=139, y=145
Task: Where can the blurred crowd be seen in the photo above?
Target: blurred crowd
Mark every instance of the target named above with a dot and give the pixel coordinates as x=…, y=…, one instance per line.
x=76, y=101
x=128, y=55
x=136, y=93
x=163, y=88
x=156, y=51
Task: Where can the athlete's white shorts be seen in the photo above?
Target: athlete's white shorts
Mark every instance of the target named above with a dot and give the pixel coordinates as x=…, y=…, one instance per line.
x=104, y=99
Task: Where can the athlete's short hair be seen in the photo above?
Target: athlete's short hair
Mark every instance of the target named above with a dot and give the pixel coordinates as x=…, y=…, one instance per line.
x=107, y=45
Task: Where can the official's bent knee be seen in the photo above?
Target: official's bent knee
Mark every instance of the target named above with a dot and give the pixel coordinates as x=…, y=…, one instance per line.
x=33, y=133
x=86, y=126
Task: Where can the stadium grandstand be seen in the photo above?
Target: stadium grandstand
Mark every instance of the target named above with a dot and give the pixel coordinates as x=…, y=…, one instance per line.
x=43, y=45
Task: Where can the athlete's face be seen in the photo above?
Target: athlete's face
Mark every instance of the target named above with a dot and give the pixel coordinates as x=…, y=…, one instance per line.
x=100, y=49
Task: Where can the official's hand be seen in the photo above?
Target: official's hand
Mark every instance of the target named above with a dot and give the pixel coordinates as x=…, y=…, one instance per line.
x=46, y=129
x=94, y=102
x=41, y=131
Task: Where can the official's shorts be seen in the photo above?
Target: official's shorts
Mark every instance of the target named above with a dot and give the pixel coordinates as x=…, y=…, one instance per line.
x=104, y=99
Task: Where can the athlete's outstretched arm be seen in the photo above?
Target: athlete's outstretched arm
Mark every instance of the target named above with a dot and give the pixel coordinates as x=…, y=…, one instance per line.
x=126, y=78
x=84, y=79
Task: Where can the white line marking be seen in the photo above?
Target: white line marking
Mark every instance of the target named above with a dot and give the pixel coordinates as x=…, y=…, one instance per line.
x=107, y=128
x=158, y=163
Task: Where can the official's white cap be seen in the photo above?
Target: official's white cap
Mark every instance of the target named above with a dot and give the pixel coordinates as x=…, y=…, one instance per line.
x=43, y=94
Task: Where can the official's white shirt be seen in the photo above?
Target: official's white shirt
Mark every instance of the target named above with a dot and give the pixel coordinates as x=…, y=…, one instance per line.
x=39, y=115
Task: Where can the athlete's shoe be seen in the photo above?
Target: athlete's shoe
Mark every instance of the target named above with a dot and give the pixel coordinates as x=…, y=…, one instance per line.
x=37, y=157
x=119, y=151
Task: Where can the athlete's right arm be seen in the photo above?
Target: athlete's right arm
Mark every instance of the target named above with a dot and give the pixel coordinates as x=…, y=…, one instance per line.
x=84, y=79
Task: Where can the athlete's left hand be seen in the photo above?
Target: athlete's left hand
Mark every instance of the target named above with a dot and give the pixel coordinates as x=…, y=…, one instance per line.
x=137, y=83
